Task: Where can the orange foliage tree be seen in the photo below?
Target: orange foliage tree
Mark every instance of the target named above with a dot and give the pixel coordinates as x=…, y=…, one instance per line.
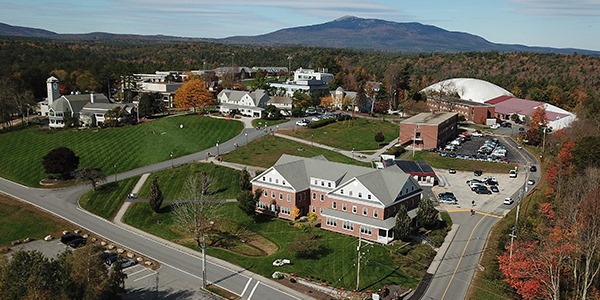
x=327, y=102
x=193, y=94
x=560, y=168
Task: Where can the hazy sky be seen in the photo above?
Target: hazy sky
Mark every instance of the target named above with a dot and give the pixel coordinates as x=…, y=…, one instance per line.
x=552, y=23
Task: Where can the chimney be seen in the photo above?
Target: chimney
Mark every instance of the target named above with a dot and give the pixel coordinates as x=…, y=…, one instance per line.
x=92, y=97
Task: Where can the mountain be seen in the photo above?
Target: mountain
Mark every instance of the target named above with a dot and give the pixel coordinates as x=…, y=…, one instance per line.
x=374, y=34
x=346, y=32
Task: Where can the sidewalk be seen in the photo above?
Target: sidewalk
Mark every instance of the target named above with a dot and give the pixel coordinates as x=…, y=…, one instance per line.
x=357, y=155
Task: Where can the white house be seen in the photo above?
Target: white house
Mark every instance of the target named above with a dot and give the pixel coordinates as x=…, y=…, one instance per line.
x=306, y=81
x=249, y=104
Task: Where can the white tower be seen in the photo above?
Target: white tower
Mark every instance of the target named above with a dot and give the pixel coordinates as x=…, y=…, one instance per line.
x=52, y=89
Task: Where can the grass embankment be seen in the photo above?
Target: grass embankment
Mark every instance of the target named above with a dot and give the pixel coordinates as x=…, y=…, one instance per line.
x=489, y=284
x=262, y=123
x=436, y=161
x=358, y=134
x=264, y=152
x=106, y=200
x=334, y=265
x=111, y=149
x=19, y=220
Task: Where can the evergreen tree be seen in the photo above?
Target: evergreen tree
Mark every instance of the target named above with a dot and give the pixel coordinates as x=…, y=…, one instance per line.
x=402, y=228
x=156, y=197
x=245, y=184
x=427, y=215
x=247, y=201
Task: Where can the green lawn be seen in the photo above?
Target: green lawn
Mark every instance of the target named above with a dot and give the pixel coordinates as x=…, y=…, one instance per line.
x=346, y=135
x=112, y=149
x=19, y=221
x=265, y=151
x=436, y=161
x=171, y=182
x=261, y=122
x=106, y=200
x=380, y=265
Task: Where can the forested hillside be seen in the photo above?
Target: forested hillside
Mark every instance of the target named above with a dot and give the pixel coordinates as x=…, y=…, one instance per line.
x=563, y=80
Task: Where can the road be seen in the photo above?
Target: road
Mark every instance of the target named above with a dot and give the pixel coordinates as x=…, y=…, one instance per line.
x=64, y=203
x=455, y=272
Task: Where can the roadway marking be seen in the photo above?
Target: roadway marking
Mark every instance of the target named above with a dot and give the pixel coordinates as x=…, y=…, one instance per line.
x=460, y=259
x=246, y=287
x=477, y=212
x=253, y=289
x=140, y=271
x=151, y=274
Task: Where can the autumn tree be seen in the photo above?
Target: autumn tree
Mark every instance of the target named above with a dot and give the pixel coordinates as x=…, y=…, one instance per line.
x=295, y=213
x=301, y=100
x=193, y=94
x=587, y=229
x=538, y=126
x=156, y=196
x=61, y=161
x=327, y=102
x=92, y=175
x=402, y=228
x=587, y=152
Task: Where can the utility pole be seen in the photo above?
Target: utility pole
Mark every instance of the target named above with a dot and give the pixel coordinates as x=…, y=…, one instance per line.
x=203, y=262
x=414, y=141
x=358, y=263
x=514, y=229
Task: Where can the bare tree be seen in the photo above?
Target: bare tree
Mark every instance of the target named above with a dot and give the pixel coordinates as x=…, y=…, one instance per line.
x=93, y=175
x=195, y=214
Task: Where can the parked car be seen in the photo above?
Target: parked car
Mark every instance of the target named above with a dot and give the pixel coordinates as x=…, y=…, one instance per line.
x=477, y=172
x=494, y=188
x=482, y=190
x=452, y=171
x=508, y=201
x=477, y=133
x=67, y=238
x=78, y=242
x=495, y=126
x=108, y=258
x=303, y=122
x=533, y=168
x=512, y=174
x=530, y=182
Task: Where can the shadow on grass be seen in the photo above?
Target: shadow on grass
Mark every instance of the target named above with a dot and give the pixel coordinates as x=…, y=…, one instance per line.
x=381, y=280
x=107, y=187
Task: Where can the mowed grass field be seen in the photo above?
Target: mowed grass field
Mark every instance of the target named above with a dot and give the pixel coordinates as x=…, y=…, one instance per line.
x=399, y=264
x=106, y=200
x=225, y=181
x=19, y=220
x=111, y=149
x=264, y=152
x=358, y=134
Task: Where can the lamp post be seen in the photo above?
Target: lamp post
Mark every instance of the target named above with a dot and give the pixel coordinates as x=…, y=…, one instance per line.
x=217, y=148
x=171, y=156
x=115, y=167
x=312, y=141
x=246, y=134
x=352, y=153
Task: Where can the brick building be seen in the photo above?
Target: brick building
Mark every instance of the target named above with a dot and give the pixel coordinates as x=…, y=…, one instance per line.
x=429, y=130
x=348, y=199
x=475, y=112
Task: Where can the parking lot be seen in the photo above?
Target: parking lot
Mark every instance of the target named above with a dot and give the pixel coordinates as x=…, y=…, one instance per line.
x=467, y=199
x=469, y=150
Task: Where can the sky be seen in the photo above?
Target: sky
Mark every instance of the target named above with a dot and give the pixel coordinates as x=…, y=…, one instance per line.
x=547, y=23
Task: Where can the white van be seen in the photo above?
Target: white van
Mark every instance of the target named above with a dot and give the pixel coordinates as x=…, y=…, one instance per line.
x=512, y=174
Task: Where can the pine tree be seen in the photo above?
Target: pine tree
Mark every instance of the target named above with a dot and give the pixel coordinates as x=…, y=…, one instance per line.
x=402, y=228
x=427, y=215
x=156, y=197
x=245, y=184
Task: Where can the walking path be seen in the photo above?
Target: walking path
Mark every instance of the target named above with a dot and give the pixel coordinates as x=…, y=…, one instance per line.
x=357, y=155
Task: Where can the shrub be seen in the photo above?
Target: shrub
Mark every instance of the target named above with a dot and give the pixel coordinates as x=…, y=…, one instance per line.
x=321, y=123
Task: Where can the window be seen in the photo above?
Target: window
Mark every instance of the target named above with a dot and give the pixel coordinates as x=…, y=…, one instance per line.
x=280, y=196
x=273, y=194
x=285, y=210
x=266, y=193
x=342, y=191
x=365, y=211
x=344, y=206
x=314, y=196
x=314, y=209
x=348, y=225
x=283, y=182
x=322, y=183
x=365, y=229
x=289, y=198
x=369, y=196
x=353, y=209
x=375, y=213
x=331, y=222
x=316, y=182
x=322, y=197
x=350, y=193
x=321, y=210
x=264, y=178
x=334, y=205
x=329, y=184
x=276, y=180
x=359, y=195
x=270, y=179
